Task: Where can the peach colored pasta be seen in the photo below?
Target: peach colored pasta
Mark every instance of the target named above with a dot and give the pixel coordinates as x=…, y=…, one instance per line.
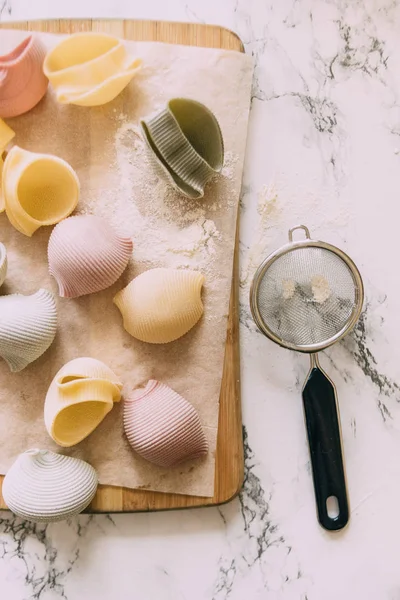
x=161, y=305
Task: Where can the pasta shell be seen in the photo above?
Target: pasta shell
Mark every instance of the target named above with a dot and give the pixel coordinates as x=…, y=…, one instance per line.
x=3, y=263
x=89, y=69
x=86, y=255
x=187, y=141
x=45, y=487
x=38, y=189
x=22, y=81
x=28, y=326
x=161, y=305
x=79, y=397
x=162, y=426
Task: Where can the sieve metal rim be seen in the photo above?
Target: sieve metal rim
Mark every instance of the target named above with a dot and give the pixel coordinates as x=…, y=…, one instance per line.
x=307, y=243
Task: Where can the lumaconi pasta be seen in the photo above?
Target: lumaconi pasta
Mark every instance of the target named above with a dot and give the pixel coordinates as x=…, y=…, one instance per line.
x=89, y=69
x=3, y=263
x=162, y=426
x=45, y=487
x=86, y=255
x=161, y=305
x=79, y=397
x=22, y=81
x=28, y=326
x=186, y=140
x=38, y=189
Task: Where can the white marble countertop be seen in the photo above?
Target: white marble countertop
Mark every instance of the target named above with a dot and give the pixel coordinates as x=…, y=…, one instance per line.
x=324, y=148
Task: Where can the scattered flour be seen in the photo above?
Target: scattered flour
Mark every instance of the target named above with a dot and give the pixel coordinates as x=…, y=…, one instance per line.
x=167, y=228
x=268, y=210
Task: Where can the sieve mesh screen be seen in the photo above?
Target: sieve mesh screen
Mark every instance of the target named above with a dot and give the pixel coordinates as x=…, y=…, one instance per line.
x=307, y=296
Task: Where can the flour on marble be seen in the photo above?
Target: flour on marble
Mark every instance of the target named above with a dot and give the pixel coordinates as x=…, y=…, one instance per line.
x=267, y=208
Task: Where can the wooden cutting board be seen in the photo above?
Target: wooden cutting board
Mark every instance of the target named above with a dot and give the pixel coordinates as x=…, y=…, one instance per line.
x=229, y=454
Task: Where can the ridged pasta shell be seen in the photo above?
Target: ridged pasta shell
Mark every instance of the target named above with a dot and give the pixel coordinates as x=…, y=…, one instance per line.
x=28, y=326
x=187, y=142
x=22, y=81
x=161, y=305
x=162, y=426
x=89, y=69
x=79, y=397
x=45, y=487
x=38, y=189
x=163, y=171
x=86, y=255
x=3, y=263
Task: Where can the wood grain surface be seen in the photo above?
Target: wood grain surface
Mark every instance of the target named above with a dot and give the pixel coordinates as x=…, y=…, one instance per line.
x=229, y=454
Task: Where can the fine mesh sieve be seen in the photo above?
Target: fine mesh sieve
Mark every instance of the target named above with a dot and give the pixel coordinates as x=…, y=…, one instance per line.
x=306, y=296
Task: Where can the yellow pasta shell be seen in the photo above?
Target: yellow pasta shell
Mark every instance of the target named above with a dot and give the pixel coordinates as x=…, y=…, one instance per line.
x=78, y=399
x=89, y=69
x=38, y=189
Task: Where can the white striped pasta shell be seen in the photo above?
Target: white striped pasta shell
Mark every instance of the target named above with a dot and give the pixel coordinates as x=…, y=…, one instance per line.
x=28, y=326
x=162, y=426
x=44, y=487
x=38, y=189
x=161, y=305
x=86, y=255
x=81, y=394
x=3, y=263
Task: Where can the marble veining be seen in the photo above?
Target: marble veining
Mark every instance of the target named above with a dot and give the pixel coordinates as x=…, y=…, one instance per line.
x=323, y=149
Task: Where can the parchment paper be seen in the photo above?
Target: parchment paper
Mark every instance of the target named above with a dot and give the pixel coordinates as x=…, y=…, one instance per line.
x=118, y=183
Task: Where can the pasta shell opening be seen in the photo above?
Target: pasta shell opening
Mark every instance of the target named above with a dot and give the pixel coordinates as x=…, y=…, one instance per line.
x=74, y=423
x=47, y=191
x=81, y=394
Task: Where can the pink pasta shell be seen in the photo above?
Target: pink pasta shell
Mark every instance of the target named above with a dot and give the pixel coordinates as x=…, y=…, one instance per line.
x=22, y=81
x=163, y=427
x=86, y=255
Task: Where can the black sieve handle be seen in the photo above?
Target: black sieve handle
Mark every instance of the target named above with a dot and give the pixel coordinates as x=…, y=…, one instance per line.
x=323, y=429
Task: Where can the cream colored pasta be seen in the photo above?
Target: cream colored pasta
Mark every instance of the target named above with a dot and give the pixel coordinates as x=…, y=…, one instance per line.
x=38, y=189
x=81, y=394
x=161, y=305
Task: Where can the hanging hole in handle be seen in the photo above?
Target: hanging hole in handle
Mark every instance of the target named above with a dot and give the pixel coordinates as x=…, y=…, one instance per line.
x=332, y=507
x=303, y=227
